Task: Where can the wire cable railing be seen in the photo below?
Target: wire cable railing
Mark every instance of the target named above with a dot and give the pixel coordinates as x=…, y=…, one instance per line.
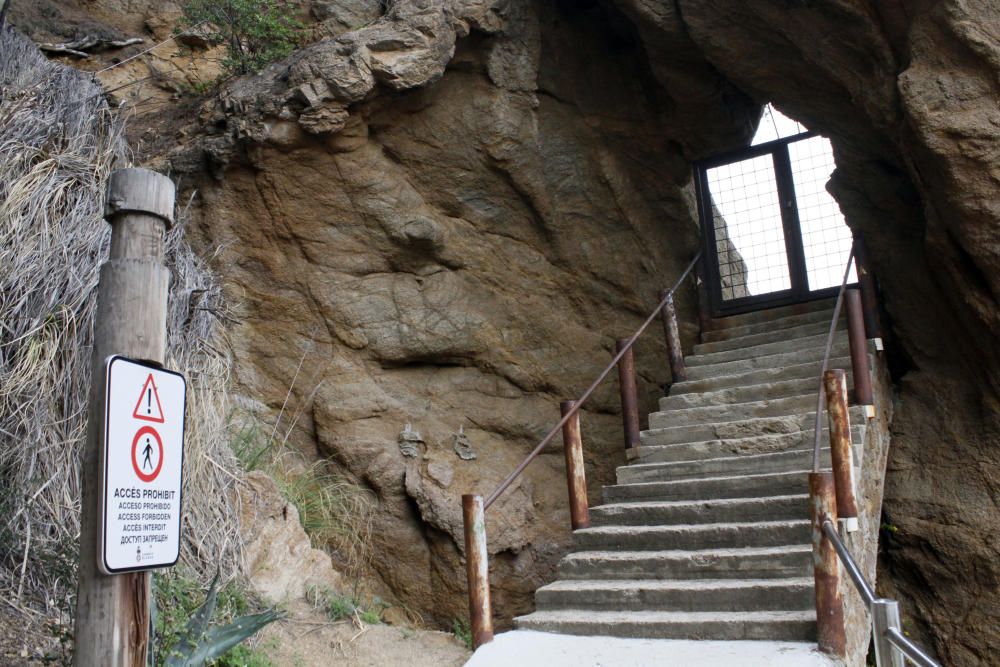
x=665, y=298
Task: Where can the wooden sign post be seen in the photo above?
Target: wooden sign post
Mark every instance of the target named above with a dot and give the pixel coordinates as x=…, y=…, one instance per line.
x=112, y=611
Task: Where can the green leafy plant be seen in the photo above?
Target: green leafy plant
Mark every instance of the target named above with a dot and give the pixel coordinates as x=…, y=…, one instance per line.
x=462, y=631
x=339, y=607
x=254, y=32
x=184, y=636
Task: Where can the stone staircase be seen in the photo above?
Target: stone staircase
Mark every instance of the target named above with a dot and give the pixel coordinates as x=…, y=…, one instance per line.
x=706, y=534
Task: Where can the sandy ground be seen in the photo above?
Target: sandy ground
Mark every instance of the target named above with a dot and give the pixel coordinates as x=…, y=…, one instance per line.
x=306, y=638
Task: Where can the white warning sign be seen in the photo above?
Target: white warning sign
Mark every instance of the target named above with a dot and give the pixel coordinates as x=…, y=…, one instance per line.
x=141, y=469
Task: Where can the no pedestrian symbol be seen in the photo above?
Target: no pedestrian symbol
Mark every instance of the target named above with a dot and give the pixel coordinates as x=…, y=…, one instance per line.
x=142, y=465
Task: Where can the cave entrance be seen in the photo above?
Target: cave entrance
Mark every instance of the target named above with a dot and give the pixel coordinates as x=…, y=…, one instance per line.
x=773, y=235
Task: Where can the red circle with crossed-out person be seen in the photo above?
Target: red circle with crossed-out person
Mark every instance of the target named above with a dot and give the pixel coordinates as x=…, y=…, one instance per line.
x=142, y=453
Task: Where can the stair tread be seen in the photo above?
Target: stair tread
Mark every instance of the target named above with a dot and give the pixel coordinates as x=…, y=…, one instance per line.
x=696, y=527
x=665, y=504
x=670, y=554
x=749, y=458
x=675, y=616
x=721, y=478
x=795, y=343
x=674, y=584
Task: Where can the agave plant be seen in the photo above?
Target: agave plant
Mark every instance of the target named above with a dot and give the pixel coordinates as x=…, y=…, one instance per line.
x=200, y=643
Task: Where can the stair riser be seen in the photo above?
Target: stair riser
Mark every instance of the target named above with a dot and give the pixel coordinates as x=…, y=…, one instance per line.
x=680, y=434
x=769, y=336
x=749, y=465
x=653, y=452
x=778, y=407
x=785, y=316
x=702, y=371
x=809, y=370
x=755, y=598
x=736, y=487
x=744, y=512
x=756, y=567
x=808, y=343
x=719, y=630
x=745, y=394
x=708, y=538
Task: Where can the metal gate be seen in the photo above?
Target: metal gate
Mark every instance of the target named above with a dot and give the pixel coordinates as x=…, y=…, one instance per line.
x=773, y=235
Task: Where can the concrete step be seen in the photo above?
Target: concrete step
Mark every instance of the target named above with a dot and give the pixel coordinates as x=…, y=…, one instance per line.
x=758, y=376
x=741, y=562
x=652, y=452
x=777, y=407
x=768, y=315
x=755, y=625
x=698, y=536
x=785, y=345
x=745, y=393
x=744, y=428
x=742, y=486
x=788, y=322
x=769, y=336
x=698, y=371
x=728, y=510
x=750, y=464
x=690, y=595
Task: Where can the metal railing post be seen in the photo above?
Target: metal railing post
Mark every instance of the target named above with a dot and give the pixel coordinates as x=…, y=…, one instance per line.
x=630, y=395
x=830, y=630
x=678, y=372
x=477, y=569
x=869, y=293
x=835, y=388
x=859, y=348
x=704, y=304
x=885, y=615
x=576, y=479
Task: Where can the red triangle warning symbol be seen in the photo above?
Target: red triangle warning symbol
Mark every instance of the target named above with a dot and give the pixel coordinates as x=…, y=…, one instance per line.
x=148, y=406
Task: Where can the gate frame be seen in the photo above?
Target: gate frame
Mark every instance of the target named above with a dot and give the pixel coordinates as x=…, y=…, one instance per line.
x=794, y=250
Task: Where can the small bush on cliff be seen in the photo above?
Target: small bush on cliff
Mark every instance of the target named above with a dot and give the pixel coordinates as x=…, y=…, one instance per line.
x=255, y=32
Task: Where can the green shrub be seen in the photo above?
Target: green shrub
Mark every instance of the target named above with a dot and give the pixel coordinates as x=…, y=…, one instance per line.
x=462, y=631
x=190, y=623
x=254, y=32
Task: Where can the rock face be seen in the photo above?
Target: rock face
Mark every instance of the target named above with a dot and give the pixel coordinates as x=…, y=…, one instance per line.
x=446, y=213
x=282, y=564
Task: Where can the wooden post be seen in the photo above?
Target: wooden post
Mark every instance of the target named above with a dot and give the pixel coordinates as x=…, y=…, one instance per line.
x=477, y=569
x=576, y=479
x=835, y=388
x=112, y=612
x=678, y=372
x=830, y=629
x=629, y=393
x=860, y=369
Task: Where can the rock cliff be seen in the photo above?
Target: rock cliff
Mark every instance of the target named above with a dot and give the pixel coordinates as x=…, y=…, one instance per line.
x=450, y=211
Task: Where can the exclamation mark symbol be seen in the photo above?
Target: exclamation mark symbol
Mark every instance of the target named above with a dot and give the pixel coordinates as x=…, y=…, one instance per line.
x=149, y=401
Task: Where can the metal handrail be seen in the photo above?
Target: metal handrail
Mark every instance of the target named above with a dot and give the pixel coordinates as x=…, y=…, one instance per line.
x=826, y=360
x=590, y=390
x=909, y=649
x=891, y=632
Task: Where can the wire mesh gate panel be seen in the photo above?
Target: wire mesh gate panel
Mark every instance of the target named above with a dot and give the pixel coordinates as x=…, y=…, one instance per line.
x=772, y=232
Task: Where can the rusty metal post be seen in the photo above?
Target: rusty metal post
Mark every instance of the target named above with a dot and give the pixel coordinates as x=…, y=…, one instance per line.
x=676, y=354
x=869, y=293
x=830, y=630
x=576, y=480
x=859, y=348
x=629, y=392
x=835, y=388
x=477, y=569
x=704, y=304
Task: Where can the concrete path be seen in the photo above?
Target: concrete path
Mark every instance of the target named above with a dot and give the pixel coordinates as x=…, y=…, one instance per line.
x=524, y=648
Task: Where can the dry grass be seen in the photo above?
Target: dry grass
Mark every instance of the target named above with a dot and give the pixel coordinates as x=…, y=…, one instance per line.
x=58, y=144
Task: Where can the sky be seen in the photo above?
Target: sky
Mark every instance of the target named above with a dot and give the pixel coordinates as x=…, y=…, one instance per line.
x=745, y=193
